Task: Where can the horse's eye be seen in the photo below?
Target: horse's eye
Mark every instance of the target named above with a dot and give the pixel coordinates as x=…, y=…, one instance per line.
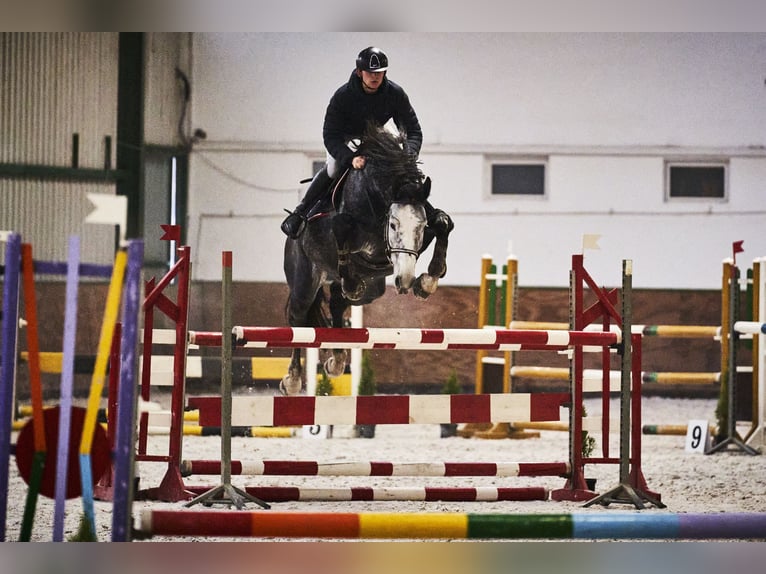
x=392, y=226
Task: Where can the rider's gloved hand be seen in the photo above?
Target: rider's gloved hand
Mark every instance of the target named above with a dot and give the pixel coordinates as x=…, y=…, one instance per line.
x=358, y=162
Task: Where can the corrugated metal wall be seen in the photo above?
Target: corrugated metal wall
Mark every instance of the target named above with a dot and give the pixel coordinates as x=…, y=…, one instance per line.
x=53, y=86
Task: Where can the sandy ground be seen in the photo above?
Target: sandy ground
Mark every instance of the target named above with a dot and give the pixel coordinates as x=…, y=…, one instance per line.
x=728, y=481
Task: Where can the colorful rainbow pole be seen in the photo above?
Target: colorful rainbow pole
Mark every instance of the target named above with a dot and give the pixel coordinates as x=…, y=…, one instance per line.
x=584, y=526
x=9, y=326
x=36, y=392
x=96, y=388
x=67, y=383
x=127, y=404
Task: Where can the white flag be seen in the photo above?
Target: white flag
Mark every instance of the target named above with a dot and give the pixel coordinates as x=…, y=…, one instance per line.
x=109, y=209
x=590, y=241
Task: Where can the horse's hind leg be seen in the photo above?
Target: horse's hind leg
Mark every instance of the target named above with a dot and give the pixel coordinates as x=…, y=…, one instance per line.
x=336, y=364
x=292, y=382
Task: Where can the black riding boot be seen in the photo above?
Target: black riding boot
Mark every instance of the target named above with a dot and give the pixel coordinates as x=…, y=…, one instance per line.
x=438, y=219
x=294, y=223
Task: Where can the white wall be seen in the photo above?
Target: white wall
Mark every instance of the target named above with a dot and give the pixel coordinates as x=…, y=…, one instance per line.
x=605, y=110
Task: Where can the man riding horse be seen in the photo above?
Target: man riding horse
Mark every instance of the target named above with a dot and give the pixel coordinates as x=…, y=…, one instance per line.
x=368, y=96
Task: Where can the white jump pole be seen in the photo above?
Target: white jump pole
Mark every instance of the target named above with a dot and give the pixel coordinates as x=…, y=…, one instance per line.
x=357, y=316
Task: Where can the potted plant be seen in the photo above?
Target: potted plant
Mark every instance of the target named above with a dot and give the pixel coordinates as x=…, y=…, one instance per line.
x=367, y=386
x=324, y=386
x=450, y=387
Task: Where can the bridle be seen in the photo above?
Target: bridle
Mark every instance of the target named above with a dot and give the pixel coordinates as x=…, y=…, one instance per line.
x=391, y=249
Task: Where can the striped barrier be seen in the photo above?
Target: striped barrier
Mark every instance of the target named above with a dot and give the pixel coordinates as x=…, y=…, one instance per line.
x=382, y=409
x=660, y=331
x=584, y=526
x=430, y=469
x=415, y=339
x=392, y=494
x=593, y=378
x=680, y=430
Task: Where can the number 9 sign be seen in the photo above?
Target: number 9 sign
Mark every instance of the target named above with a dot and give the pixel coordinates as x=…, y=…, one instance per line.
x=697, y=436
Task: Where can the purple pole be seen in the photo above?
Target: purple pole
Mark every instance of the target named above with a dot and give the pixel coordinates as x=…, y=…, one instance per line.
x=10, y=320
x=125, y=438
x=67, y=384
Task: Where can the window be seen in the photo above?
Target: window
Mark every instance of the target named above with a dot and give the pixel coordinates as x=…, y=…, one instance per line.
x=707, y=181
x=165, y=186
x=316, y=165
x=518, y=178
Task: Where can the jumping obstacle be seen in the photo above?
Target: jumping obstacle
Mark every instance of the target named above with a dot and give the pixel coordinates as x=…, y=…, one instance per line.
x=392, y=494
x=756, y=436
x=456, y=408
x=728, y=434
x=381, y=409
x=60, y=421
x=602, y=526
x=431, y=469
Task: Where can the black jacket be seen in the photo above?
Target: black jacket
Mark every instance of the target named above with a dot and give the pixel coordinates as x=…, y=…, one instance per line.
x=350, y=109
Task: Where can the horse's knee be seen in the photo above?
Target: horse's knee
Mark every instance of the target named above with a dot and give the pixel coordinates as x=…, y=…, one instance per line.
x=441, y=222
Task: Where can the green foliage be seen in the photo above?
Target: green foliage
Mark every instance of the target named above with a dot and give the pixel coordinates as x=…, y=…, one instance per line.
x=588, y=442
x=324, y=386
x=367, y=385
x=451, y=385
x=84, y=533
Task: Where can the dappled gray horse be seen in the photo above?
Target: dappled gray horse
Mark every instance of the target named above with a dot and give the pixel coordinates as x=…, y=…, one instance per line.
x=377, y=227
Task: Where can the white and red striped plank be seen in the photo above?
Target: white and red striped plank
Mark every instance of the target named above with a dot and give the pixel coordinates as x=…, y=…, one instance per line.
x=430, y=469
x=414, y=494
x=383, y=409
x=408, y=339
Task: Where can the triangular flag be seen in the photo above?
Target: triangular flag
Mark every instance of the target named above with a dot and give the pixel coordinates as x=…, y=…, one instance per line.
x=590, y=241
x=736, y=247
x=172, y=232
x=109, y=209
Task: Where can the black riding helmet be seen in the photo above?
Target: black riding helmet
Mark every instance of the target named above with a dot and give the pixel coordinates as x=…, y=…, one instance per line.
x=372, y=60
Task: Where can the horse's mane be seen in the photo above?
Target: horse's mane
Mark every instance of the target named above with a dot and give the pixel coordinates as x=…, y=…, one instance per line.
x=393, y=164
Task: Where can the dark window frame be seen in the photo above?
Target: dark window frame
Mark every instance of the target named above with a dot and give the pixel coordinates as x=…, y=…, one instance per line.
x=681, y=179
x=526, y=168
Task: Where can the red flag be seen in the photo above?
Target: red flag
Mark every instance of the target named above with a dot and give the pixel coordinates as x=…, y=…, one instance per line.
x=737, y=247
x=172, y=232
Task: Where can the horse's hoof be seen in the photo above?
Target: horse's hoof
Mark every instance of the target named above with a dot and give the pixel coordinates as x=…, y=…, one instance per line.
x=290, y=386
x=425, y=286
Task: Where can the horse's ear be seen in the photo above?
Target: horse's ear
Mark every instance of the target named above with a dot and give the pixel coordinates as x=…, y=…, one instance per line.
x=426, y=188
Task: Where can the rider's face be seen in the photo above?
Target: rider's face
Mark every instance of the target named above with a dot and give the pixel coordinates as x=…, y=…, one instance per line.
x=371, y=81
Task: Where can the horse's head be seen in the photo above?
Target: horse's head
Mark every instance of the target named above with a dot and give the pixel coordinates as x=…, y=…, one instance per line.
x=404, y=232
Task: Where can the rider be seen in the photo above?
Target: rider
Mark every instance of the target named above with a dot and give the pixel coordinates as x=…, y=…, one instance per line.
x=367, y=96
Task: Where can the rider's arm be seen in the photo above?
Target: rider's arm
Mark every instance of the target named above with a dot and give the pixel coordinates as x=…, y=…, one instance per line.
x=334, y=133
x=406, y=119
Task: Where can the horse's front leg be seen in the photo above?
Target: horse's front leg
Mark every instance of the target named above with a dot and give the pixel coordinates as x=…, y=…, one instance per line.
x=426, y=284
x=336, y=364
x=292, y=382
x=343, y=228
